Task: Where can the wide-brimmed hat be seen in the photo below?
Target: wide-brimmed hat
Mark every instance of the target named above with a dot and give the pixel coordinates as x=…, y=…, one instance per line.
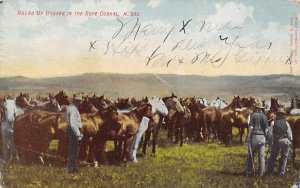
x=259, y=104
x=281, y=110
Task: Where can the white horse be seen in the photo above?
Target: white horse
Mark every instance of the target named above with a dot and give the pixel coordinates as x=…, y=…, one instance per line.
x=203, y=101
x=10, y=113
x=267, y=105
x=295, y=110
x=158, y=106
x=219, y=103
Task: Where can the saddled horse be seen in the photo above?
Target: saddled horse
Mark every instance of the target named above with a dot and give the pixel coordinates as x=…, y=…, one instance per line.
x=173, y=119
x=160, y=111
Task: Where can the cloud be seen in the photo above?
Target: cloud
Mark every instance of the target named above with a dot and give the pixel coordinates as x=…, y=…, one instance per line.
x=233, y=12
x=154, y=3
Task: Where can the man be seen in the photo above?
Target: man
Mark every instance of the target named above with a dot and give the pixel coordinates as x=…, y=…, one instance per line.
x=74, y=136
x=280, y=138
x=256, y=139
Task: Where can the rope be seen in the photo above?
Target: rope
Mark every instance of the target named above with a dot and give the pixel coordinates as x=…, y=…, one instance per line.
x=52, y=156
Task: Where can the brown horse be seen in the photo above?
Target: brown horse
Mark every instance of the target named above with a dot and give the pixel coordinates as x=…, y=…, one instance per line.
x=173, y=120
x=227, y=121
x=122, y=128
x=241, y=121
x=294, y=122
x=218, y=122
x=195, y=128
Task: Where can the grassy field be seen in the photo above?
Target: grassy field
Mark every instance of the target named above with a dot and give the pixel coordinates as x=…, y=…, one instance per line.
x=193, y=165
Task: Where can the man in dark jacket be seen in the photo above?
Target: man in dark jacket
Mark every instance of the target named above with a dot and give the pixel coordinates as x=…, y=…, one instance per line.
x=280, y=138
x=256, y=139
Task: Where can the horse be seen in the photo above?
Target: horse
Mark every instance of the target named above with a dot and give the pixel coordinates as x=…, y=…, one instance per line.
x=87, y=107
x=121, y=128
x=227, y=120
x=294, y=110
x=217, y=120
x=123, y=103
x=202, y=101
x=241, y=121
x=218, y=103
x=294, y=121
x=173, y=119
x=100, y=103
x=8, y=117
x=194, y=129
x=51, y=105
x=160, y=111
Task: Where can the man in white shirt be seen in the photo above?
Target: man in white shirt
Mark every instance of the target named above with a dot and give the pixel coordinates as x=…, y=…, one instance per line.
x=74, y=135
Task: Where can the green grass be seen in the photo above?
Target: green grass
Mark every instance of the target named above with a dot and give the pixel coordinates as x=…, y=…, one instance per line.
x=193, y=165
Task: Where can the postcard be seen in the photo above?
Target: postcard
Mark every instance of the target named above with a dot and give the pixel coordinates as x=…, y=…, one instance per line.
x=152, y=93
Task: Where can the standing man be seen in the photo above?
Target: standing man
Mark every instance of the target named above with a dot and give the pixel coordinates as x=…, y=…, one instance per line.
x=256, y=139
x=74, y=135
x=280, y=138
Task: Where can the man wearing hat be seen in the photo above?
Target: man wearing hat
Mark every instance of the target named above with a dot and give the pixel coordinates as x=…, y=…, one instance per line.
x=256, y=139
x=74, y=135
x=280, y=138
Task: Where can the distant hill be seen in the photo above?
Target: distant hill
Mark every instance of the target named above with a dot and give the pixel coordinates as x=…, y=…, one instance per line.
x=118, y=85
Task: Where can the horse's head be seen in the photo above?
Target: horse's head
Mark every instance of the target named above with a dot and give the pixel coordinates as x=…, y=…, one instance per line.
x=110, y=113
x=145, y=110
x=62, y=98
x=22, y=100
x=123, y=103
x=274, y=104
x=158, y=106
x=174, y=104
x=87, y=107
x=10, y=109
x=236, y=102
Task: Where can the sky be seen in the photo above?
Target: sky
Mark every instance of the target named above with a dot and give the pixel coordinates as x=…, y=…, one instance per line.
x=191, y=37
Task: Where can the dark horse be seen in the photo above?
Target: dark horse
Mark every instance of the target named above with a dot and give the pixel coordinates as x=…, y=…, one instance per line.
x=160, y=111
x=173, y=119
x=218, y=122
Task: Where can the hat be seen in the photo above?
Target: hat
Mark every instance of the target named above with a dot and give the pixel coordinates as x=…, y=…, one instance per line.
x=77, y=97
x=281, y=110
x=258, y=104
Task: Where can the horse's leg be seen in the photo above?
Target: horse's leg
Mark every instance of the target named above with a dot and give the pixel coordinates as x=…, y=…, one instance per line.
x=177, y=130
x=127, y=144
x=147, y=138
x=242, y=129
x=180, y=133
x=154, y=139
